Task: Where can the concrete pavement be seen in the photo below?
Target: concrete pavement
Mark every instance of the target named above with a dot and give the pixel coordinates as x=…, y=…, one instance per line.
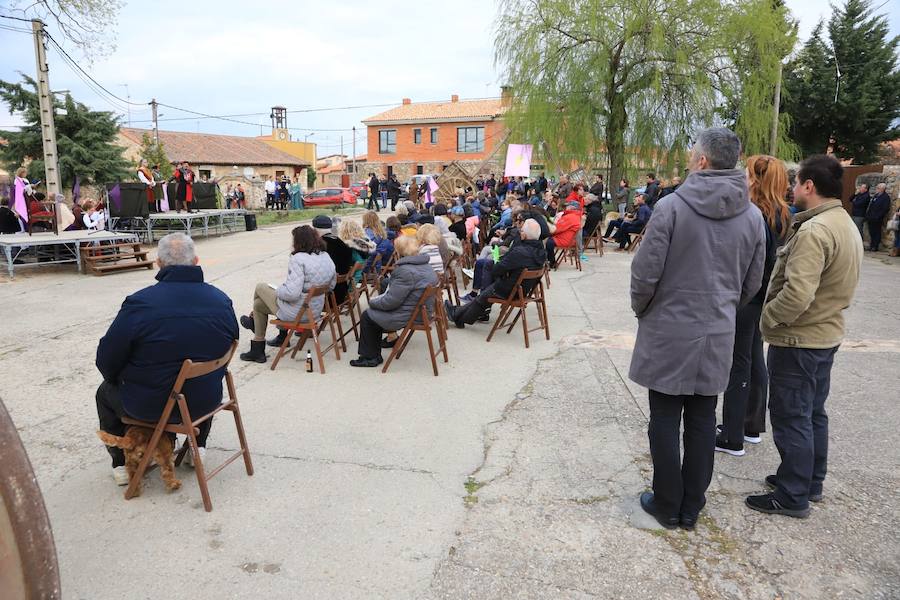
x=513, y=474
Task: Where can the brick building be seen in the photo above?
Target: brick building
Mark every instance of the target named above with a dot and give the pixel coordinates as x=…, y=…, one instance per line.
x=424, y=137
x=224, y=158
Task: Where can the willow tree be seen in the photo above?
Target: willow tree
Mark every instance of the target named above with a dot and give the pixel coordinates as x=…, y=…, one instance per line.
x=762, y=34
x=614, y=75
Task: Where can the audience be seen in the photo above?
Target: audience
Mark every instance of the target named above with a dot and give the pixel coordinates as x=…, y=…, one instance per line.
x=391, y=310
x=567, y=226
x=527, y=254
x=156, y=329
x=309, y=266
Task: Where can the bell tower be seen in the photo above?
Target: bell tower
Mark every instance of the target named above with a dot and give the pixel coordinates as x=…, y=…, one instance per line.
x=279, y=124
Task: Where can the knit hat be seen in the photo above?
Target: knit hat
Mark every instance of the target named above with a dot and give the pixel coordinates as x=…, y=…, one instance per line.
x=322, y=224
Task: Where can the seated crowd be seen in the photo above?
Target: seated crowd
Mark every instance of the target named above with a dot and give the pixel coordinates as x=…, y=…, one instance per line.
x=182, y=317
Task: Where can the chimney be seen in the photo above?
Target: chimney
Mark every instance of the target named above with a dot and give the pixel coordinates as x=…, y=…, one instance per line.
x=505, y=96
x=454, y=98
x=406, y=101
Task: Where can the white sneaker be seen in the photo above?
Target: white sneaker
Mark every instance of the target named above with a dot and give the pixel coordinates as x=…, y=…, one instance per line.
x=752, y=439
x=190, y=456
x=470, y=273
x=120, y=475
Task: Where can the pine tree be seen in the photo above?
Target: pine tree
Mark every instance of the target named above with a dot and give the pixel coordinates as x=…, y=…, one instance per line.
x=854, y=113
x=869, y=95
x=85, y=139
x=156, y=155
x=809, y=83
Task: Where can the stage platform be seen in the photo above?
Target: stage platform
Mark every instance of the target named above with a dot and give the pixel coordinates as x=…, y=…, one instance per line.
x=51, y=249
x=202, y=222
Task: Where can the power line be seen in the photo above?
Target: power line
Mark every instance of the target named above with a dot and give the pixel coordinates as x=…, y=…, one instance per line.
x=88, y=75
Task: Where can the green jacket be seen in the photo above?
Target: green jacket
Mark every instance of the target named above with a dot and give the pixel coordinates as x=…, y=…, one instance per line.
x=814, y=279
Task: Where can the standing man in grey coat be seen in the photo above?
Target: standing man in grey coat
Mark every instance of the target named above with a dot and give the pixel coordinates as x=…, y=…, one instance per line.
x=701, y=258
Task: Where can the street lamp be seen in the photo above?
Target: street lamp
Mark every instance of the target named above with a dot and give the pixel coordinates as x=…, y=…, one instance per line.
x=307, y=136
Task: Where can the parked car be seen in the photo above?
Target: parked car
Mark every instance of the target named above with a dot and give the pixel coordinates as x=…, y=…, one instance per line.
x=356, y=188
x=420, y=181
x=328, y=196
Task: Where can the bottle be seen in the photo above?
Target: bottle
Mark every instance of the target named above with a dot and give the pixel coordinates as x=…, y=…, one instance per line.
x=309, y=365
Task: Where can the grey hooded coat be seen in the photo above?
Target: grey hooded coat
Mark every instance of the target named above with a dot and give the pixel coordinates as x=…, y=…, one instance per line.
x=701, y=258
x=392, y=309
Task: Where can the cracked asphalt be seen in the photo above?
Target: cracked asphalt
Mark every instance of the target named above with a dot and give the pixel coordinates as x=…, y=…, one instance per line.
x=360, y=484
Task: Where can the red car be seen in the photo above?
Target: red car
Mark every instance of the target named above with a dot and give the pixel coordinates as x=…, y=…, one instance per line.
x=329, y=196
x=356, y=188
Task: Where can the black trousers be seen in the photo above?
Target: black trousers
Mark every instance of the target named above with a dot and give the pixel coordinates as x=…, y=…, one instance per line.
x=799, y=382
x=874, y=233
x=612, y=225
x=372, y=203
x=744, y=403
x=110, y=413
x=679, y=487
x=394, y=201
x=369, y=337
x=468, y=313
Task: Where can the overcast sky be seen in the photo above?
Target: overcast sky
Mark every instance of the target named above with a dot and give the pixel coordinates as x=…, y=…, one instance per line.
x=219, y=58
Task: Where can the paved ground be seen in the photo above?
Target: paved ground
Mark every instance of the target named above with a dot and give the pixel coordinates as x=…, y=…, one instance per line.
x=513, y=474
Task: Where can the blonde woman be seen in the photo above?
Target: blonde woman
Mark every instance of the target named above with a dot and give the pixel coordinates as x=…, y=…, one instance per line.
x=351, y=233
x=744, y=404
x=430, y=240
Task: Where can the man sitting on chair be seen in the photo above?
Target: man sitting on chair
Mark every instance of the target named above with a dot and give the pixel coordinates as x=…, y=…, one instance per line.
x=526, y=254
x=156, y=329
x=634, y=224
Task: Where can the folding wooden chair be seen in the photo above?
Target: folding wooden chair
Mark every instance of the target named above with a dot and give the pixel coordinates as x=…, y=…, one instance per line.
x=595, y=240
x=635, y=239
x=386, y=269
x=420, y=320
x=450, y=281
x=306, y=325
x=370, y=276
x=350, y=305
x=520, y=299
x=569, y=253
x=188, y=425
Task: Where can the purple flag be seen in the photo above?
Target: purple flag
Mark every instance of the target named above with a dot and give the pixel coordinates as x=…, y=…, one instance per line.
x=76, y=189
x=115, y=197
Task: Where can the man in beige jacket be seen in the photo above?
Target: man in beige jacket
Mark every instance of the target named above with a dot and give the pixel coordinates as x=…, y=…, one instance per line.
x=814, y=279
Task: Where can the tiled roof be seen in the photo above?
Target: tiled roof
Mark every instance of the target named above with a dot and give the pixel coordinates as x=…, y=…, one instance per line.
x=207, y=148
x=441, y=111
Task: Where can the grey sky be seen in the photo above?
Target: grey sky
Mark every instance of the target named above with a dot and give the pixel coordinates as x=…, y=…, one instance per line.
x=220, y=58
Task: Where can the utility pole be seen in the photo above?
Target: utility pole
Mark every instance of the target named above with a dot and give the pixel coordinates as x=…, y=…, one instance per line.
x=353, y=160
x=342, y=154
x=773, y=141
x=45, y=100
x=153, y=105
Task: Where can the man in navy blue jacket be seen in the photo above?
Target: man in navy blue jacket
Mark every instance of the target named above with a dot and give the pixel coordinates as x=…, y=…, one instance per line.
x=879, y=206
x=156, y=329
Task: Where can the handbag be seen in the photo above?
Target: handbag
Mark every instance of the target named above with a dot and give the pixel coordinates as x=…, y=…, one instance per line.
x=894, y=224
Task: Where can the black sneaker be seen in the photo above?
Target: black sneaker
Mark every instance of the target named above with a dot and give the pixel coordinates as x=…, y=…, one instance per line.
x=649, y=507
x=772, y=482
x=766, y=503
x=247, y=322
x=722, y=445
x=366, y=362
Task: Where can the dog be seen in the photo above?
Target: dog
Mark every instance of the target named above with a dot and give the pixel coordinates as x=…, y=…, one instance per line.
x=134, y=443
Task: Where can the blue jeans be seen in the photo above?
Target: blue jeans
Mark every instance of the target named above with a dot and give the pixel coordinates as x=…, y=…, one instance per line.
x=799, y=381
x=482, y=277
x=383, y=199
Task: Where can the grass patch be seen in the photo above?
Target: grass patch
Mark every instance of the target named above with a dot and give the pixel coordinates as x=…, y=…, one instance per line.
x=472, y=486
x=280, y=217
x=590, y=500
